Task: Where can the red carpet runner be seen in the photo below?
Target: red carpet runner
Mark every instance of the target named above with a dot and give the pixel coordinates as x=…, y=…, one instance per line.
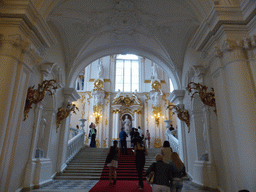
x=127, y=177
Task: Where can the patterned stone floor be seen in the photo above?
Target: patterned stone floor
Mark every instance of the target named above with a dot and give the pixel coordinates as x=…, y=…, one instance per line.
x=86, y=185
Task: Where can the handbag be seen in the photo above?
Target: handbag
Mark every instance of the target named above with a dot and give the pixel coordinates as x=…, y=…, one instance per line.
x=110, y=155
x=151, y=176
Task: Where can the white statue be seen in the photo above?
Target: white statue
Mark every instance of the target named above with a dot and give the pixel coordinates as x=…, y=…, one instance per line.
x=127, y=124
x=98, y=97
x=154, y=72
x=156, y=97
x=100, y=67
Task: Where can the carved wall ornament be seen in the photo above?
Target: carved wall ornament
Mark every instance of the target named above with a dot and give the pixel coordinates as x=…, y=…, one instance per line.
x=37, y=95
x=107, y=97
x=208, y=98
x=64, y=113
x=182, y=114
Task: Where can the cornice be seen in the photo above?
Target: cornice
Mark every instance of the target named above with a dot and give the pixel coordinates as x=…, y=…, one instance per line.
x=71, y=94
x=227, y=18
x=25, y=10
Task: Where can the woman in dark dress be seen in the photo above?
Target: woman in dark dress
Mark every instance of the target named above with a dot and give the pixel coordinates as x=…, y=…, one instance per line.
x=140, y=151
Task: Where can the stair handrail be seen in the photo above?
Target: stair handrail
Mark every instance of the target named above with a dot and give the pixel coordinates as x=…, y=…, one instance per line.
x=75, y=144
x=174, y=142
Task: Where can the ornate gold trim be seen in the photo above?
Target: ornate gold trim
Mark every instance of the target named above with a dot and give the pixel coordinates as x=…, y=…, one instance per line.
x=163, y=82
x=91, y=80
x=206, y=98
x=147, y=81
x=156, y=85
x=64, y=113
x=37, y=95
x=98, y=85
x=107, y=97
x=106, y=80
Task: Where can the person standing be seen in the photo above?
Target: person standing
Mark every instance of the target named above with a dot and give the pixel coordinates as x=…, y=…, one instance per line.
x=140, y=131
x=178, y=171
x=148, y=138
x=122, y=137
x=132, y=135
x=166, y=151
x=112, y=162
x=92, y=135
x=140, y=151
x=162, y=176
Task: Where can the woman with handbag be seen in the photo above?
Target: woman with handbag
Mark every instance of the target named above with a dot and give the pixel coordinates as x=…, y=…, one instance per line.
x=178, y=171
x=140, y=151
x=162, y=175
x=112, y=162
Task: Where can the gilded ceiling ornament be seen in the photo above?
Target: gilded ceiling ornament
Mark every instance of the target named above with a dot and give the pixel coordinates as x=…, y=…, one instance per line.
x=64, y=113
x=208, y=98
x=182, y=114
x=37, y=95
x=98, y=85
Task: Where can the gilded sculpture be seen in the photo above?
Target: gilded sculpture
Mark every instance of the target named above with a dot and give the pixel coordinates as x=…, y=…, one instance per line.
x=182, y=114
x=37, y=95
x=98, y=85
x=64, y=113
x=127, y=101
x=208, y=98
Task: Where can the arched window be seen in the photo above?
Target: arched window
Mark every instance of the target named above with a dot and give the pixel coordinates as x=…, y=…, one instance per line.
x=127, y=73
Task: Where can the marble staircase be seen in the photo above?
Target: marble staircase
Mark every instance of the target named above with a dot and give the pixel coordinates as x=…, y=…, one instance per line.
x=89, y=163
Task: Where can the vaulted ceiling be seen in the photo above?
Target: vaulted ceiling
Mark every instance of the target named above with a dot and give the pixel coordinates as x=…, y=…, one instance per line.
x=162, y=27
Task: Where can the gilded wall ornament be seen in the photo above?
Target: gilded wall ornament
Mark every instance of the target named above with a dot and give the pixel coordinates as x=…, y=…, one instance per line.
x=37, y=95
x=97, y=143
x=64, y=113
x=156, y=85
x=126, y=101
x=182, y=114
x=208, y=98
x=98, y=85
x=105, y=142
x=157, y=143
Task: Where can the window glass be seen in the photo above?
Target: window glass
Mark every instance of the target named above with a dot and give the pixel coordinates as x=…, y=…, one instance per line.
x=127, y=73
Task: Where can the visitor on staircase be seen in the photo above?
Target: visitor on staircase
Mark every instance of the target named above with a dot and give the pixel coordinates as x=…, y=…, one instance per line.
x=178, y=171
x=166, y=151
x=112, y=162
x=140, y=151
x=92, y=135
x=162, y=176
x=122, y=137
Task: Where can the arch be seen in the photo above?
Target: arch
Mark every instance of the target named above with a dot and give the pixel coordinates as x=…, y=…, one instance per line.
x=88, y=58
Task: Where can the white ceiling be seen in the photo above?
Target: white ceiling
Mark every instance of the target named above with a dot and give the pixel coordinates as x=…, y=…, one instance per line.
x=162, y=27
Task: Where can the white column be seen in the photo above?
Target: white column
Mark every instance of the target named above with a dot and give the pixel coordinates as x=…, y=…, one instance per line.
x=241, y=92
x=176, y=97
x=70, y=94
x=116, y=128
x=15, y=74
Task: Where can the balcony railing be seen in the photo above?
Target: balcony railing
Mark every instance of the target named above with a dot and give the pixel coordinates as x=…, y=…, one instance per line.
x=174, y=142
x=75, y=144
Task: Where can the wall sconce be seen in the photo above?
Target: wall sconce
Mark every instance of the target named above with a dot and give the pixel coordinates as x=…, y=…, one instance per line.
x=208, y=98
x=97, y=113
x=97, y=116
x=64, y=113
x=156, y=114
x=37, y=95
